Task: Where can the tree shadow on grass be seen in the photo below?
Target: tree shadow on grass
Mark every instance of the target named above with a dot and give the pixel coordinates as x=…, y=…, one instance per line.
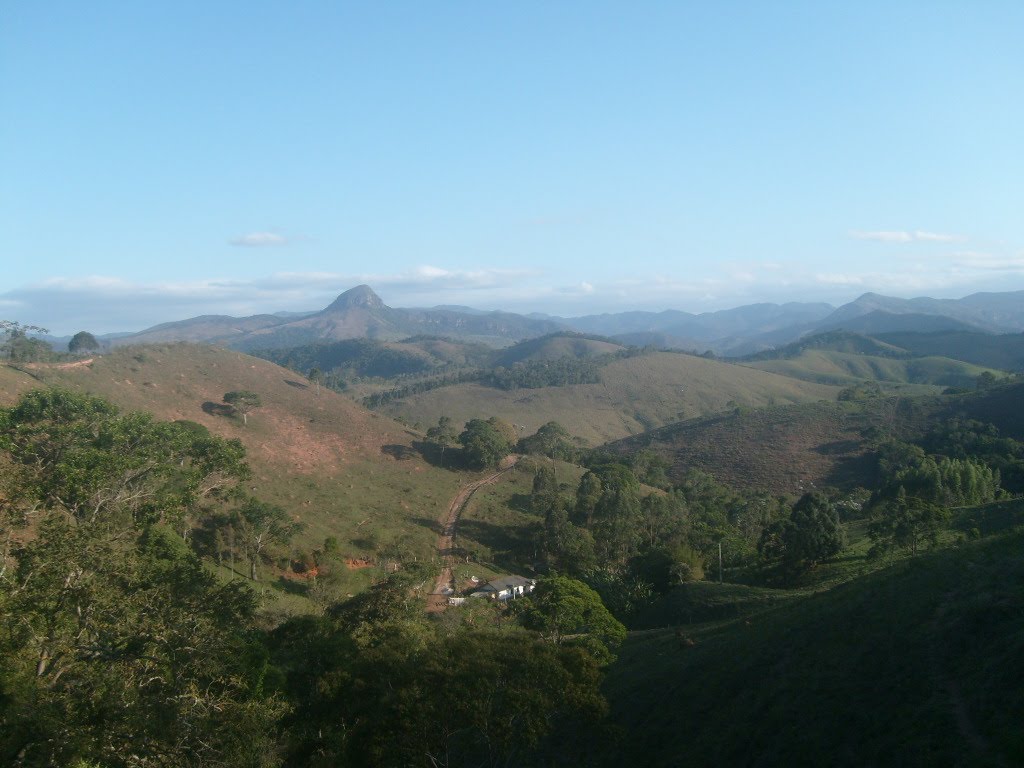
x=432, y=525
x=217, y=409
x=851, y=471
x=292, y=587
x=431, y=453
x=296, y=384
x=520, y=502
x=400, y=452
x=511, y=548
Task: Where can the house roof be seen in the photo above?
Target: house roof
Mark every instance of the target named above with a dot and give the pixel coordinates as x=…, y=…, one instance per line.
x=505, y=582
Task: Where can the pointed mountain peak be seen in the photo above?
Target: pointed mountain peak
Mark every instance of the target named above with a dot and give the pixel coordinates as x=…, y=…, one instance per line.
x=360, y=296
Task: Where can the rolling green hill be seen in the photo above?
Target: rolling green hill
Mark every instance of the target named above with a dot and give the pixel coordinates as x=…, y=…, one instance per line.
x=374, y=358
x=828, y=366
x=785, y=449
x=337, y=468
x=633, y=394
x=556, y=346
x=835, y=341
x=1004, y=352
x=918, y=664
x=844, y=358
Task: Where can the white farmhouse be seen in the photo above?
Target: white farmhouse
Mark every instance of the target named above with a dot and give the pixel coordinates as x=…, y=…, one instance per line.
x=506, y=588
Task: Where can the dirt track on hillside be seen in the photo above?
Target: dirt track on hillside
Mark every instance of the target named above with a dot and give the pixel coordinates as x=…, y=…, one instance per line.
x=438, y=601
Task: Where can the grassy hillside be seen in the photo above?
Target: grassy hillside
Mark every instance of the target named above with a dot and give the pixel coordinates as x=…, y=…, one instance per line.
x=12, y=383
x=918, y=664
x=497, y=526
x=836, y=341
x=339, y=469
x=786, y=449
x=633, y=394
x=556, y=346
x=1004, y=352
x=829, y=366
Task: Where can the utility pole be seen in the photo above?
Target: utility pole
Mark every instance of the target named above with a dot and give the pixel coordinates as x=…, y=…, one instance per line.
x=719, y=562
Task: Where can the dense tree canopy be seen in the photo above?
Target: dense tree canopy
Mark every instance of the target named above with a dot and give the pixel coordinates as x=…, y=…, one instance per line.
x=551, y=440
x=102, y=603
x=567, y=611
x=811, y=533
x=905, y=523
x=483, y=444
x=19, y=347
x=83, y=341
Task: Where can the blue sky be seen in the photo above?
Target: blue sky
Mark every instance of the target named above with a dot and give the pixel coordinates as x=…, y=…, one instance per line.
x=162, y=160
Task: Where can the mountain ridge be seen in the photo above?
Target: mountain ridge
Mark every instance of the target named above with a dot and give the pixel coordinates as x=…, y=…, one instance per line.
x=360, y=313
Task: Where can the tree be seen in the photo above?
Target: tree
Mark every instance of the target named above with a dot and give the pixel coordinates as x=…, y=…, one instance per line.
x=587, y=495
x=813, y=533
x=483, y=445
x=317, y=377
x=550, y=440
x=83, y=341
x=18, y=346
x=443, y=435
x=506, y=430
x=102, y=609
x=261, y=525
x=243, y=402
x=617, y=521
x=567, y=611
x=905, y=523
x=82, y=455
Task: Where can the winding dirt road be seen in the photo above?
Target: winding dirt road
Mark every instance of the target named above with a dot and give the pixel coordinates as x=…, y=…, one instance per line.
x=438, y=601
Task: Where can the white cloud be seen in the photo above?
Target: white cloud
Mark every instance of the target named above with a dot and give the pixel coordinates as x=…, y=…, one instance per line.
x=901, y=236
x=883, y=236
x=938, y=237
x=259, y=240
x=988, y=261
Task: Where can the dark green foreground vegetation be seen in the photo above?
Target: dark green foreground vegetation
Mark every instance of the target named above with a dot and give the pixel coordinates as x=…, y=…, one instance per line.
x=920, y=664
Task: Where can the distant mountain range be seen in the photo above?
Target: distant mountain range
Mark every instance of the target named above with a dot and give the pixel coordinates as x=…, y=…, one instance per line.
x=357, y=313
x=360, y=313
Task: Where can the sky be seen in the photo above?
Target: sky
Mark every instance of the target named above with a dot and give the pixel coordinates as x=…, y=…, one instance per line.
x=163, y=160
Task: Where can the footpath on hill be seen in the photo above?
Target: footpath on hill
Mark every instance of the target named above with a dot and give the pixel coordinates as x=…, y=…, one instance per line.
x=438, y=600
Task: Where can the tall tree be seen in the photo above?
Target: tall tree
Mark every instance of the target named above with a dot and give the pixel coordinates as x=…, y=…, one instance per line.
x=567, y=611
x=483, y=445
x=83, y=341
x=260, y=526
x=617, y=525
x=317, y=377
x=442, y=435
x=905, y=523
x=18, y=346
x=813, y=533
x=243, y=402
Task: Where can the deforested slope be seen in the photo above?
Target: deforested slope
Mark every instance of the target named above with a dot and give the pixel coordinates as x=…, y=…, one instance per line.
x=785, y=449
